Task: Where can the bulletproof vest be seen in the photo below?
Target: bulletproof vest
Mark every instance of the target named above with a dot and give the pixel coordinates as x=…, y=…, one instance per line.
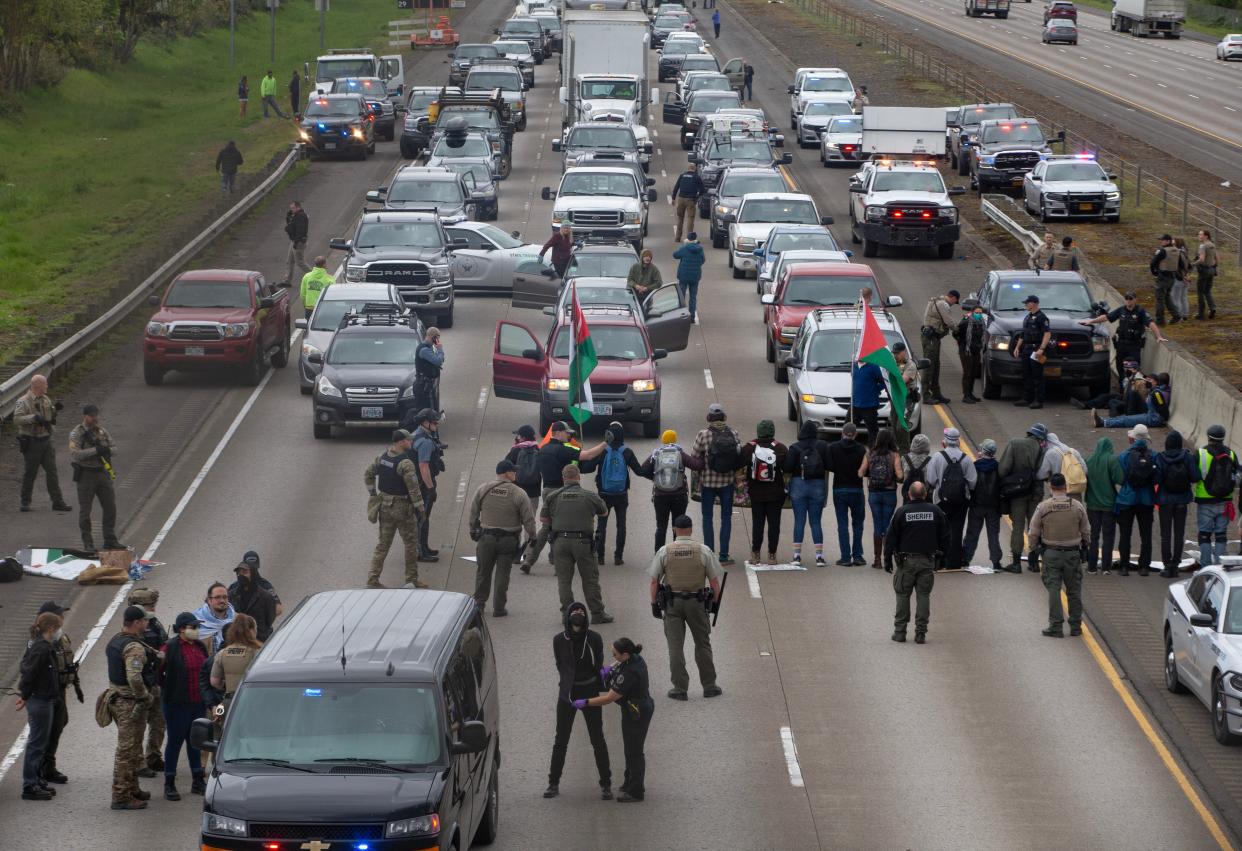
x=1032, y=334
x=116, y=658
x=437, y=454
x=422, y=367
x=387, y=479
x=497, y=508
x=1060, y=522
x=1169, y=262
x=62, y=655
x=572, y=511
x=1062, y=258
x=1130, y=328
x=235, y=661
x=683, y=567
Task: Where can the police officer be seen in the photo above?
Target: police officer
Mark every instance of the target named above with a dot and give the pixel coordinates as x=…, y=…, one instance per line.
x=629, y=684
x=910, y=375
x=35, y=418
x=1205, y=264
x=155, y=636
x=427, y=453
x=918, y=537
x=938, y=321
x=1132, y=324
x=569, y=512
x=1165, y=265
x=553, y=456
x=499, y=512
x=397, y=506
x=685, y=198
x=682, y=601
x=66, y=675
x=128, y=695
x=1061, y=531
x=1031, y=347
x=90, y=450
x=1041, y=255
x=428, y=362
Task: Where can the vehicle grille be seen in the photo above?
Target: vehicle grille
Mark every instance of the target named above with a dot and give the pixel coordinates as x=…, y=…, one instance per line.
x=372, y=395
x=610, y=390
x=906, y=216
x=596, y=218
x=1023, y=160
x=196, y=332
x=401, y=274
x=331, y=832
x=1067, y=346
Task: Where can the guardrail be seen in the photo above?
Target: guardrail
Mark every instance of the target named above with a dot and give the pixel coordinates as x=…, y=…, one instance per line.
x=1029, y=239
x=16, y=386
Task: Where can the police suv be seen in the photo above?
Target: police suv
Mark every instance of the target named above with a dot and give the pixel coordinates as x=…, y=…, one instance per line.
x=1064, y=187
x=903, y=203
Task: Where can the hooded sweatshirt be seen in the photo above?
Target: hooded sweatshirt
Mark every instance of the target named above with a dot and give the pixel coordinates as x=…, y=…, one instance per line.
x=627, y=458
x=251, y=557
x=251, y=598
x=915, y=459
x=690, y=267
x=1128, y=496
x=808, y=441
x=765, y=491
x=1174, y=453
x=579, y=657
x=1104, y=476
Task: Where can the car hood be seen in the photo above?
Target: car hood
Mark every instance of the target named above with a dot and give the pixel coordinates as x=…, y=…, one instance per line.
x=444, y=208
x=816, y=120
x=596, y=202
x=318, y=339
x=1080, y=186
x=324, y=798
x=369, y=375
x=908, y=196
x=606, y=106
x=844, y=138
x=755, y=230
x=835, y=385
x=224, y=315
x=397, y=252
x=607, y=371
x=329, y=121
x=1000, y=147
x=1059, y=320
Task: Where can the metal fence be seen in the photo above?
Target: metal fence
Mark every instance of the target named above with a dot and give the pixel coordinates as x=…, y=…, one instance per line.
x=1140, y=187
x=1217, y=15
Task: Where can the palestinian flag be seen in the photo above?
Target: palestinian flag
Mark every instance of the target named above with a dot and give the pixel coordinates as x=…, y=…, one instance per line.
x=873, y=348
x=582, y=362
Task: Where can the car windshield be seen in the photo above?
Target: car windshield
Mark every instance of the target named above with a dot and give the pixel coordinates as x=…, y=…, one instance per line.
x=621, y=138
x=988, y=113
x=700, y=63
x=399, y=234
x=912, y=181
x=234, y=294
x=549, y=23
x=334, y=69
x=608, y=89
x=612, y=342
x=829, y=107
x=827, y=84
x=1014, y=133
x=530, y=27
x=670, y=22
x=394, y=725
x=600, y=266
x=736, y=185
x=497, y=236
x=707, y=82
x=422, y=100
x=733, y=148
x=431, y=191
x=329, y=312
x=1233, y=614
x=619, y=294
x=834, y=350
x=708, y=102
x=844, y=124
x=809, y=240
x=828, y=289
x=1075, y=171
x=475, y=51
x=332, y=108
x=596, y=183
x=482, y=173
x=350, y=349
x=679, y=47
x=471, y=146
x=522, y=48
x=477, y=119
x=485, y=81
x=1053, y=295
x=792, y=212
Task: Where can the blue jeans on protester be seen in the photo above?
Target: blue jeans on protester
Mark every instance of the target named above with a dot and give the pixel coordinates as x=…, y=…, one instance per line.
x=690, y=292
x=1212, y=521
x=709, y=496
x=1149, y=418
x=809, y=496
x=883, y=505
x=850, y=502
x=178, y=717
x=40, y=713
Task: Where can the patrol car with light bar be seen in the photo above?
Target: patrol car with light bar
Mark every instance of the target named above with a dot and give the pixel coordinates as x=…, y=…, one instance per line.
x=905, y=204
x=1073, y=186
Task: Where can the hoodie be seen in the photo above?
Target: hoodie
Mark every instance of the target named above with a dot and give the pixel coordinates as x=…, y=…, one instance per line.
x=914, y=463
x=534, y=488
x=579, y=657
x=251, y=598
x=690, y=267
x=1104, y=476
x=1128, y=496
x=1174, y=453
x=808, y=441
x=252, y=558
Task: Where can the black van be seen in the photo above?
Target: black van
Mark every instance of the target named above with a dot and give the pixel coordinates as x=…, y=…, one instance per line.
x=369, y=722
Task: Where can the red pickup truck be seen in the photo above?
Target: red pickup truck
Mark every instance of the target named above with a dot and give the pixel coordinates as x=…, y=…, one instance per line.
x=217, y=319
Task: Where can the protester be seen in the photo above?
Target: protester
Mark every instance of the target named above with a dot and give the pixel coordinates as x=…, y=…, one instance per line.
x=249, y=597
x=214, y=615
x=914, y=466
x=670, y=494
x=1104, y=476
x=807, y=466
x=1136, y=498
x=612, y=479
x=524, y=455
x=846, y=458
x=38, y=690
x=1159, y=407
x=1177, y=473
x=644, y=276
x=882, y=470
x=184, y=658
x=985, y=508
x=764, y=461
x=690, y=272
x=1218, y=468
x=719, y=447
x=951, y=476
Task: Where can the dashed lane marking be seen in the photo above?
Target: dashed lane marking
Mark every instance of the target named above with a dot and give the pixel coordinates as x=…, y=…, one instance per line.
x=482, y=397
x=461, y=486
x=752, y=583
x=707, y=377
x=791, y=757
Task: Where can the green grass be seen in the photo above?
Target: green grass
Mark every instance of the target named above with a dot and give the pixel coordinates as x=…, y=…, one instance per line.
x=1217, y=27
x=107, y=163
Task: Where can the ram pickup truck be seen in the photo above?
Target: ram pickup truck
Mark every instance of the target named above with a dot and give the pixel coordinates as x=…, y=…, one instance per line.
x=1005, y=150
x=905, y=205
x=217, y=319
x=963, y=123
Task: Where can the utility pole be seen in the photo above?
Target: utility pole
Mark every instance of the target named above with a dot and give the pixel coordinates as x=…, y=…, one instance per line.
x=322, y=6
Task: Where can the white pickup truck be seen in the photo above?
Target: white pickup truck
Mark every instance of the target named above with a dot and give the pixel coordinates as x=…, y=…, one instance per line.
x=601, y=201
x=902, y=203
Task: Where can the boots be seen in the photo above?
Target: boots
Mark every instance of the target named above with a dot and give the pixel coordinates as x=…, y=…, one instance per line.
x=877, y=548
x=198, y=786
x=170, y=790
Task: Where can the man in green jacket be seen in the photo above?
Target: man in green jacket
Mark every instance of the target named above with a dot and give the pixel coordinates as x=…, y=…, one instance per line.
x=267, y=90
x=314, y=283
x=644, y=278
x=1104, y=476
x=1021, y=461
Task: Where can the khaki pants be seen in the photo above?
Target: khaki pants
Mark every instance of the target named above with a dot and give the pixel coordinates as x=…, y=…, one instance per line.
x=296, y=258
x=683, y=211
x=130, y=716
x=396, y=514
x=915, y=574
x=680, y=615
x=1063, y=566
x=95, y=483
x=41, y=455
x=1020, y=511
x=931, y=375
x=568, y=553
x=494, y=552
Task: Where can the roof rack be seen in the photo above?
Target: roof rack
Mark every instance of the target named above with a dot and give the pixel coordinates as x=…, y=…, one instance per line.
x=599, y=239
x=376, y=313
x=842, y=312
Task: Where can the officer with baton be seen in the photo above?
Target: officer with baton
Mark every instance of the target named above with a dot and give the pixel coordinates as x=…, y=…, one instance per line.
x=691, y=590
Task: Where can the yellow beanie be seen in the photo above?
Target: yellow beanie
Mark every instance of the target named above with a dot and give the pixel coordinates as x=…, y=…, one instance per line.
x=669, y=436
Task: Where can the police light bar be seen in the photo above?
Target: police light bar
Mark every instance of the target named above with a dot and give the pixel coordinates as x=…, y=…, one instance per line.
x=1085, y=155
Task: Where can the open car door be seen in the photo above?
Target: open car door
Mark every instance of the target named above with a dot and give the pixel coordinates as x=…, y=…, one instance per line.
x=393, y=71
x=735, y=70
x=667, y=318
x=535, y=283
x=518, y=363
x=674, y=109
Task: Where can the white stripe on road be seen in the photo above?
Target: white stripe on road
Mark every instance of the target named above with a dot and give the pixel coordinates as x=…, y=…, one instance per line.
x=461, y=486
x=752, y=582
x=482, y=397
x=707, y=376
x=791, y=757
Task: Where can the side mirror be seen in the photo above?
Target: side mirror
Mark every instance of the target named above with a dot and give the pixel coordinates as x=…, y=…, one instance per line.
x=549, y=311
x=794, y=362
x=547, y=194
x=153, y=300
x=648, y=147
x=339, y=244
x=1203, y=619
x=1060, y=137
x=459, y=242
x=201, y=732
x=516, y=234
x=556, y=144
x=789, y=89
x=1035, y=178
x=922, y=363
x=758, y=252
x=825, y=220
x=857, y=188
x=786, y=158
x=659, y=354
x=895, y=301
x=1112, y=176
x=300, y=323
x=651, y=195
x=767, y=298
x=374, y=197
x=953, y=125
x=267, y=303
x=471, y=738
x=650, y=181
x=957, y=190
x=692, y=159
x=531, y=354
x=315, y=357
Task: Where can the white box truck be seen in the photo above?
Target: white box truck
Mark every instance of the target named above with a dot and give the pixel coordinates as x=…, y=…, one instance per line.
x=1146, y=18
x=909, y=131
x=604, y=67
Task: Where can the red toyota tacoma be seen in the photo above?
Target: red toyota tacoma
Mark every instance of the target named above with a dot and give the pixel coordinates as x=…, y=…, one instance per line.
x=218, y=319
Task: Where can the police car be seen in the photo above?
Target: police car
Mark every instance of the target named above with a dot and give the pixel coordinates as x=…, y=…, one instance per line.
x=1203, y=643
x=1063, y=187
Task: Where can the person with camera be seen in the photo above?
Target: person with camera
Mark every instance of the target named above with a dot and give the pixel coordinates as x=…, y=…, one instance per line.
x=35, y=418
x=499, y=513
x=90, y=449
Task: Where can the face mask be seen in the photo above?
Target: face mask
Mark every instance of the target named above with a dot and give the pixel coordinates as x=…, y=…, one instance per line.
x=190, y=634
x=978, y=317
x=58, y=634
x=577, y=621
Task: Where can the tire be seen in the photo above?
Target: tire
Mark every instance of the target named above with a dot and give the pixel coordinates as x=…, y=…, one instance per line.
x=1113, y=219
x=870, y=247
x=770, y=350
x=739, y=273
x=1043, y=211
x=1171, y=680
x=407, y=152
x=1002, y=15
x=306, y=391
x=521, y=125
x=991, y=389
x=280, y=359
x=1101, y=387
x=963, y=165
x=652, y=429
x=152, y=374
x=780, y=374
x=945, y=251
x=445, y=320
x=252, y=373
x=322, y=432
x=854, y=235
x=371, y=147
x=792, y=409
x=1220, y=720
x=489, y=825
x=506, y=166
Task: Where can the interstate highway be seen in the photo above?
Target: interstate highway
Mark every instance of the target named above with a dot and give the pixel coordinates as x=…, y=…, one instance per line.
x=828, y=735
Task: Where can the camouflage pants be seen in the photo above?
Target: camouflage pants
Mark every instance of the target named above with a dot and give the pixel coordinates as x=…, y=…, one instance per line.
x=129, y=715
x=156, y=726
x=396, y=515
x=916, y=574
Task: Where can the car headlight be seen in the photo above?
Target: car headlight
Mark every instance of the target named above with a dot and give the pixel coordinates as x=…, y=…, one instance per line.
x=411, y=122
x=520, y=105
x=644, y=385
x=744, y=243
x=634, y=218
x=222, y=826
x=949, y=213
x=988, y=160
x=308, y=350
x=408, y=393
x=421, y=826
x=998, y=344
x=326, y=388
x=356, y=132
x=1099, y=343
x=812, y=399
x=722, y=210
x=355, y=273
x=1113, y=196
x=1235, y=680
x=788, y=332
x=305, y=136
x=157, y=329
x=1055, y=196
x=495, y=146
x=875, y=212
x=557, y=218
x=439, y=273
x=237, y=329
x=558, y=383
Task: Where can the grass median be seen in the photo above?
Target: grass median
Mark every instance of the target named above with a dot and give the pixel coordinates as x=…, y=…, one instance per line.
x=108, y=167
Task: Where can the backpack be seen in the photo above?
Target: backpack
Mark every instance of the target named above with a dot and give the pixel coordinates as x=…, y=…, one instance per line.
x=810, y=461
x=10, y=570
x=669, y=470
x=952, y=488
x=722, y=451
x=612, y=475
x=916, y=474
x=528, y=473
x=1176, y=478
x=1140, y=469
x=762, y=463
x=1220, y=475
x=880, y=474
x=1074, y=472
x=1019, y=483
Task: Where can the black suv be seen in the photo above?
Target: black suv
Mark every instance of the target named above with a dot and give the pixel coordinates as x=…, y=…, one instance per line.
x=465, y=55
x=1077, y=354
x=718, y=151
x=963, y=123
x=338, y=125
x=527, y=30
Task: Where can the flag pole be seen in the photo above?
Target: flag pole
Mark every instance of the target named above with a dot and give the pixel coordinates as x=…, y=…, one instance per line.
x=854, y=357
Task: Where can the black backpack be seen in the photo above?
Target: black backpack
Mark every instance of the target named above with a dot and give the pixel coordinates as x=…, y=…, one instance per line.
x=10, y=570
x=987, y=488
x=810, y=460
x=1176, y=478
x=916, y=474
x=723, y=451
x=528, y=473
x=1219, y=480
x=1140, y=469
x=953, y=489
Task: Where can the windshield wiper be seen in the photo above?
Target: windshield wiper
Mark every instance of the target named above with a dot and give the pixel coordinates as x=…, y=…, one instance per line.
x=613, y=357
x=828, y=367
x=279, y=763
x=813, y=301
x=371, y=763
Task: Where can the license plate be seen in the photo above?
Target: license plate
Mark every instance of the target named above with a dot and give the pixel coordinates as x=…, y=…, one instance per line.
x=329, y=146
x=372, y=413
x=1086, y=208
x=195, y=351
x=601, y=410
x=1052, y=372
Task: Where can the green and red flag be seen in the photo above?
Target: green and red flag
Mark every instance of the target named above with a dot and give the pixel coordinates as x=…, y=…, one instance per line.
x=873, y=348
x=582, y=362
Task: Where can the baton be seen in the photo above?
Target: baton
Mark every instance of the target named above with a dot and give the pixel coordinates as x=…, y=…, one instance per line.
x=719, y=597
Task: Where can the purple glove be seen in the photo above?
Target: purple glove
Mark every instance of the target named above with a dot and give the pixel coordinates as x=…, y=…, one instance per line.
x=580, y=704
x=604, y=672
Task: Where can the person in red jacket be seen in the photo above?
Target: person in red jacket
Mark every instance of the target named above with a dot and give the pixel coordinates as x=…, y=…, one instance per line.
x=562, y=245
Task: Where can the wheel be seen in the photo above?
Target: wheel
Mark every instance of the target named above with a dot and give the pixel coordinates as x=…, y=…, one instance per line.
x=792, y=409
x=771, y=350
x=489, y=825
x=854, y=235
x=152, y=374
x=870, y=247
x=445, y=320
x=390, y=135
x=252, y=373
x=371, y=147
x=738, y=273
x=963, y=164
x=322, y=432
x=991, y=390
x=521, y=125
x=1113, y=219
x=1043, y=210
x=652, y=429
x=1171, y=680
x=506, y=166
x=823, y=160
x=306, y=391
x=1220, y=718
x=1099, y=388
x=646, y=168
x=780, y=373
x=1002, y=15
x=945, y=251
x=280, y=360
x=408, y=151
x=719, y=240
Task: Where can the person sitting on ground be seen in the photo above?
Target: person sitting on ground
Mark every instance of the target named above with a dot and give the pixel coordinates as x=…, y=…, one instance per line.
x=1159, y=407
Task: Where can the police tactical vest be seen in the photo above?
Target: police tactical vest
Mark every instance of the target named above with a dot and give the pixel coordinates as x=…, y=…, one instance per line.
x=1060, y=523
x=572, y=511
x=235, y=661
x=388, y=480
x=1130, y=328
x=683, y=567
x=1032, y=332
x=424, y=368
x=116, y=658
x=1169, y=262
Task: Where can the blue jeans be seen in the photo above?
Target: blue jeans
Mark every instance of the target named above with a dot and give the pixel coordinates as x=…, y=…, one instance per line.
x=690, y=292
x=1149, y=418
x=40, y=713
x=178, y=717
x=1212, y=522
x=809, y=496
x=849, y=502
x=883, y=504
x=709, y=495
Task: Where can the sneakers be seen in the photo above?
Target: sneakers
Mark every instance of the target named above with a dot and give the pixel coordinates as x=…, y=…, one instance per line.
x=676, y=694
x=1096, y=422
x=970, y=400
x=375, y=583
x=713, y=691
x=1092, y=571
x=500, y=613
x=552, y=791
x=525, y=567
x=725, y=558
x=844, y=561
x=61, y=506
x=858, y=561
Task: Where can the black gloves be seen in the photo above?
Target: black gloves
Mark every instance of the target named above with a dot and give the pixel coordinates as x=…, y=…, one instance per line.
x=655, y=611
x=476, y=532
x=40, y=419
x=104, y=452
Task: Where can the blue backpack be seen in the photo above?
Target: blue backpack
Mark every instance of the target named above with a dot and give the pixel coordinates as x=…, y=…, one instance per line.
x=612, y=476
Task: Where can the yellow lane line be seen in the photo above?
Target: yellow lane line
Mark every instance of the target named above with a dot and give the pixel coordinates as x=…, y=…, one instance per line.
x=789, y=181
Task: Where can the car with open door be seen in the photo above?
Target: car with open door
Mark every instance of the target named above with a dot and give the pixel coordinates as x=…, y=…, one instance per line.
x=487, y=259
x=663, y=310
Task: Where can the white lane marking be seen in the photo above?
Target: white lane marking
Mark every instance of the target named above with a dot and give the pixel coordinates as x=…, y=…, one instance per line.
x=1162, y=85
x=655, y=133
x=1231, y=109
x=1108, y=66
x=1135, y=76
x=791, y=757
x=482, y=398
x=1189, y=95
x=97, y=631
x=663, y=173
x=707, y=377
x=461, y=486
x=752, y=582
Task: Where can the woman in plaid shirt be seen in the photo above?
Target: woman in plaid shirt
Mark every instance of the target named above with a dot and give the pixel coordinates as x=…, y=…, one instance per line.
x=717, y=478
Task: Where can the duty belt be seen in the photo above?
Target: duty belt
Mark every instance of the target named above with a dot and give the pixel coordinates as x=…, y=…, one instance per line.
x=504, y=533
x=686, y=595
x=1061, y=549
x=395, y=495
x=586, y=682
x=562, y=534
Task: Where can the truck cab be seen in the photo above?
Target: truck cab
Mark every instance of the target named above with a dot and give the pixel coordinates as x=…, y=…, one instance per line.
x=904, y=204
x=601, y=201
x=820, y=84
x=360, y=62
x=1005, y=150
x=601, y=142
x=963, y=125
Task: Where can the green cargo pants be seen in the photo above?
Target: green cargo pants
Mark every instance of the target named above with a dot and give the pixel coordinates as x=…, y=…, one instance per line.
x=580, y=552
x=1020, y=511
x=495, y=551
x=1063, y=566
x=680, y=615
x=915, y=574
